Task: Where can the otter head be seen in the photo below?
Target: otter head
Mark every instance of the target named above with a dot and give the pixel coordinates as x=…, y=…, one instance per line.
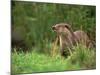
x=61, y=28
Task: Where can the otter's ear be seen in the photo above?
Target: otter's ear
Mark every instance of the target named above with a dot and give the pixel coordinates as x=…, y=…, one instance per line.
x=67, y=26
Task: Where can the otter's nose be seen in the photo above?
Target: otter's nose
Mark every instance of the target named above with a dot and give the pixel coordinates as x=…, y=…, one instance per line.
x=53, y=27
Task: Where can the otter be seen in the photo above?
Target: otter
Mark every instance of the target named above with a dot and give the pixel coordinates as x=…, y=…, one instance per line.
x=67, y=38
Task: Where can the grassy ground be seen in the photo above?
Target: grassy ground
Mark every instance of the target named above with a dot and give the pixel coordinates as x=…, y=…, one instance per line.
x=33, y=62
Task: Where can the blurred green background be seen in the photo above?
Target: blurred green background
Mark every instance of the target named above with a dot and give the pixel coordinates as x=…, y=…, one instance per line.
x=32, y=21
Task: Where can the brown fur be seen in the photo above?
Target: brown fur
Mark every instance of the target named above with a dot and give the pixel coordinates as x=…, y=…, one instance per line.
x=68, y=38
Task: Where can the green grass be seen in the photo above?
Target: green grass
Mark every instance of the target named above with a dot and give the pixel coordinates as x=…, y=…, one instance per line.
x=33, y=62
x=85, y=57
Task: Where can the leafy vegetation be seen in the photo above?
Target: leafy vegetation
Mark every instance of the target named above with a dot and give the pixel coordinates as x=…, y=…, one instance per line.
x=32, y=22
x=82, y=58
